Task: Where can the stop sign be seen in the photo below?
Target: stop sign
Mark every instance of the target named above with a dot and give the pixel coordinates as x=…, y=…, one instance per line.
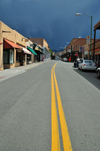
x=76, y=54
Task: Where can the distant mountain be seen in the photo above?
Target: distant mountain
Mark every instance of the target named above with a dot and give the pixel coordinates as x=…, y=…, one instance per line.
x=57, y=50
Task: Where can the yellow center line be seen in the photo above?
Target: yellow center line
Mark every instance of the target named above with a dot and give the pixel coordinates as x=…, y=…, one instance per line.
x=65, y=135
x=54, y=128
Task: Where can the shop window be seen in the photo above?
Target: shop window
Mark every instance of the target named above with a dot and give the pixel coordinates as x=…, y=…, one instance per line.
x=28, y=57
x=24, y=58
x=5, y=56
x=17, y=56
x=86, y=57
x=99, y=57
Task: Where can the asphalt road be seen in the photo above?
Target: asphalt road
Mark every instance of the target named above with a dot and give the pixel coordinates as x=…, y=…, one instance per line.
x=25, y=109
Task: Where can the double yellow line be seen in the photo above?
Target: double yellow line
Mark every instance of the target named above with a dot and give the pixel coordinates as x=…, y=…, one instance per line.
x=55, y=146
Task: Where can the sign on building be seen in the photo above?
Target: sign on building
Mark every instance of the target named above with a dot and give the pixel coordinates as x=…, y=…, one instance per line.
x=81, y=49
x=88, y=39
x=31, y=45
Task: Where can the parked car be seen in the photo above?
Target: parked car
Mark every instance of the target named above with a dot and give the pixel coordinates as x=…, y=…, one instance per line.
x=98, y=63
x=65, y=59
x=87, y=65
x=80, y=61
x=98, y=72
x=57, y=58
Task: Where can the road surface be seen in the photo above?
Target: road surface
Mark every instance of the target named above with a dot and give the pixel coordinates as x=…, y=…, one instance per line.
x=53, y=106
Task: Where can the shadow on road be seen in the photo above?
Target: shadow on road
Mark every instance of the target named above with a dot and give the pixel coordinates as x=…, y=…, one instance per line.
x=91, y=76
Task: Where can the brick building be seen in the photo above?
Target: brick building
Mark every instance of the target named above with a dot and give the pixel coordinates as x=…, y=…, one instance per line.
x=73, y=49
x=96, y=44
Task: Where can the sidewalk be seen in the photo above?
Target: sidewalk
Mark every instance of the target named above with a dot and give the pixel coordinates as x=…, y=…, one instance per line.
x=8, y=73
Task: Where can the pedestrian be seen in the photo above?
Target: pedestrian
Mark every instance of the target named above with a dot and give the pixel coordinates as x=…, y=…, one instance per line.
x=43, y=58
x=78, y=59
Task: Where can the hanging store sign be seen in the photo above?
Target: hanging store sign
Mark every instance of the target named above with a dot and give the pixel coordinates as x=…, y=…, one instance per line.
x=88, y=39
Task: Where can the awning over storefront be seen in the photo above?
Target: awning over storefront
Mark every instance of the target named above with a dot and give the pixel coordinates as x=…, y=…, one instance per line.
x=32, y=50
x=97, y=26
x=9, y=44
x=38, y=50
x=26, y=51
x=0, y=42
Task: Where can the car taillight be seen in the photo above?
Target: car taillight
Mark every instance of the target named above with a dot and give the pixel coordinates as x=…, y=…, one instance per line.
x=84, y=65
x=95, y=65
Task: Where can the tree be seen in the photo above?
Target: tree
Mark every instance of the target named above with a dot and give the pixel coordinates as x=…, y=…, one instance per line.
x=51, y=52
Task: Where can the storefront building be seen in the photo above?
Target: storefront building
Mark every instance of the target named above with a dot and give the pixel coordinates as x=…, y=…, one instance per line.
x=96, y=51
x=76, y=46
x=40, y=53
x=33, y=52
x=29, y=46
x=41, y=47
x=73, y=49
x=86, y=53
x=13, y=51
x=96, y=44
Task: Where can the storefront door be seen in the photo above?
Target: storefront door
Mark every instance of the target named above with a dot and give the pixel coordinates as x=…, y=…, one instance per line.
x=11, y=56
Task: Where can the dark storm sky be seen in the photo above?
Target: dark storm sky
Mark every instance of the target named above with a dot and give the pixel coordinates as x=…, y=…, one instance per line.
x=53, y=20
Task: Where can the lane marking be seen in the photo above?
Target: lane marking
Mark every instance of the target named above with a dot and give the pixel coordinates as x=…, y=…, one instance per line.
x=64, y=129
x=54, y=126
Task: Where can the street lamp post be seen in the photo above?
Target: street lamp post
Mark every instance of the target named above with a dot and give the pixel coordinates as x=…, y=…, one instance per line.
x=77, y=14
